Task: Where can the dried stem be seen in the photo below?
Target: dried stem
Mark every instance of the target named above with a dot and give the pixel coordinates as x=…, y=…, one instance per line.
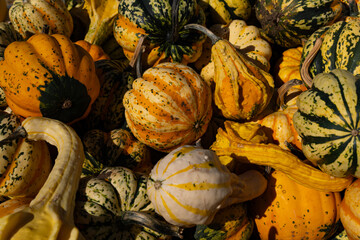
x=304, y=71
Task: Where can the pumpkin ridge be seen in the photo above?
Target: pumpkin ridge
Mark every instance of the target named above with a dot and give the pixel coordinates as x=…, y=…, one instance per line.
x=333, y=153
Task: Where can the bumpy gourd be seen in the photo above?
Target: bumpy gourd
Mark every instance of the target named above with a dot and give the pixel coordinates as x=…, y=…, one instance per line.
x=189, y=185
x=50, y=213
x=49, y=76
x=169, y=106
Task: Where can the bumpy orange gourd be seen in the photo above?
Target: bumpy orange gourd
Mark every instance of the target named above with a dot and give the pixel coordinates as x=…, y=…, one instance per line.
x=169, y=106
x=49, y=76
x=288, y=210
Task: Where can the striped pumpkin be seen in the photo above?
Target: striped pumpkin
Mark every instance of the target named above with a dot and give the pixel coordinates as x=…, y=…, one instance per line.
x=102, y=199
x=188, y=185
x=167, y=38
x=169, y=106
x=41, y=16
x=287, y=22
x=327, y=120
x=339, y=48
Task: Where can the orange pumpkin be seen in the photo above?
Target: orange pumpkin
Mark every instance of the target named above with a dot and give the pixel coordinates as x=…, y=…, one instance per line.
x=169, y=106
x=288, y=210
x=350, y=210
x=49, y=76
x=96, y=52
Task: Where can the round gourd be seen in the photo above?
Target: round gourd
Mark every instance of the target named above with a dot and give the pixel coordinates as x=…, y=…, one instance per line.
x=24, y=165
x=7, y=35
x=162, y=22
x=349, y=210
x=287, y=23
x=102, y=199
x=327, y=121
x=169, y=106
x=338, y=49
x=189, y=185
x=288, y=210
x=49, y=76
x=41, y=16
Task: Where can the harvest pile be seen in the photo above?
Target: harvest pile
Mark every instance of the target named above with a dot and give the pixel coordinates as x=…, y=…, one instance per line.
x=170, y=119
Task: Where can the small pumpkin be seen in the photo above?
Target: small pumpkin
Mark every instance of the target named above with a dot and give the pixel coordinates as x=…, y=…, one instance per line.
x=41, y=16
x=189, y=185
x=327, y=122
x=169, y=106
x=103, y=201
x=162, y=22
x=288, y=210
x=60, y=84
x=96, y=51
x=349, y=210
x=287, y=23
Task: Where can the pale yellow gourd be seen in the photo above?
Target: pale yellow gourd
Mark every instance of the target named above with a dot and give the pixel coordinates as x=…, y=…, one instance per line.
x=50, y=213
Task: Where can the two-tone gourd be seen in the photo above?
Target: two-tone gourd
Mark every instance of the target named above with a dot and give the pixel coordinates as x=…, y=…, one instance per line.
x=114, y=205
x=50, y=214
x=162, y=23
x=328, y=123
x=242, y=89
x=288, y=23
x=169, y=106
x=41, y=16
x=49, y=76
x=189, y=185
x=24, y=165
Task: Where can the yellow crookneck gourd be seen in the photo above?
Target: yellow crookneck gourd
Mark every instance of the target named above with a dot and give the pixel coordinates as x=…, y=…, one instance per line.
x=242, y=89
x=50, y=214
x=245, y=142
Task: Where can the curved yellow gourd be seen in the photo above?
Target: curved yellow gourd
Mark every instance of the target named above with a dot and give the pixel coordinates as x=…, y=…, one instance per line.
x=50, y=213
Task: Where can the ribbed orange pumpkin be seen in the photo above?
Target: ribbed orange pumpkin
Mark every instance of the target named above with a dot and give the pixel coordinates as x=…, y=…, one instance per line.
x=288, y=210
x=169, y=106
x=350, y=210
x=49, y=76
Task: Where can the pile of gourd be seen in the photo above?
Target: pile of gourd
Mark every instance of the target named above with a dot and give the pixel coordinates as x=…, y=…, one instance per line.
x=169, y=119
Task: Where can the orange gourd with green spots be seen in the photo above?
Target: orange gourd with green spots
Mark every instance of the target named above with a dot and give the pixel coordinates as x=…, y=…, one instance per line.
x=288, y=210
x=49, y=76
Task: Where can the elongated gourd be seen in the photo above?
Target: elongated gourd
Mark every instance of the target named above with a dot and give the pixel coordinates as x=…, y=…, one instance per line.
x=231, y=143
x=50, y=213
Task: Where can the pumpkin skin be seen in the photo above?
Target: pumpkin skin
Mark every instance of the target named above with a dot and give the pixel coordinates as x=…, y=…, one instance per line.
x=96, y=52
x=102, y=198
x=288, y=210
x=349, y=210
x=327, y=121
x=153, y=19
x=24, y=165
x=41, y=16
x=59, y=84
x=338, y=49
x=286, y=23
x=7, y=35
x=169, y=106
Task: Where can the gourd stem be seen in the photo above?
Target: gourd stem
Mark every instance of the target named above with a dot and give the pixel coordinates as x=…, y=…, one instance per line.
x=304, y=71
x=204, y=30
x=19, y=132
x=283, y=89
x=174, y=21
x=149, y=221
x=136, y=59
